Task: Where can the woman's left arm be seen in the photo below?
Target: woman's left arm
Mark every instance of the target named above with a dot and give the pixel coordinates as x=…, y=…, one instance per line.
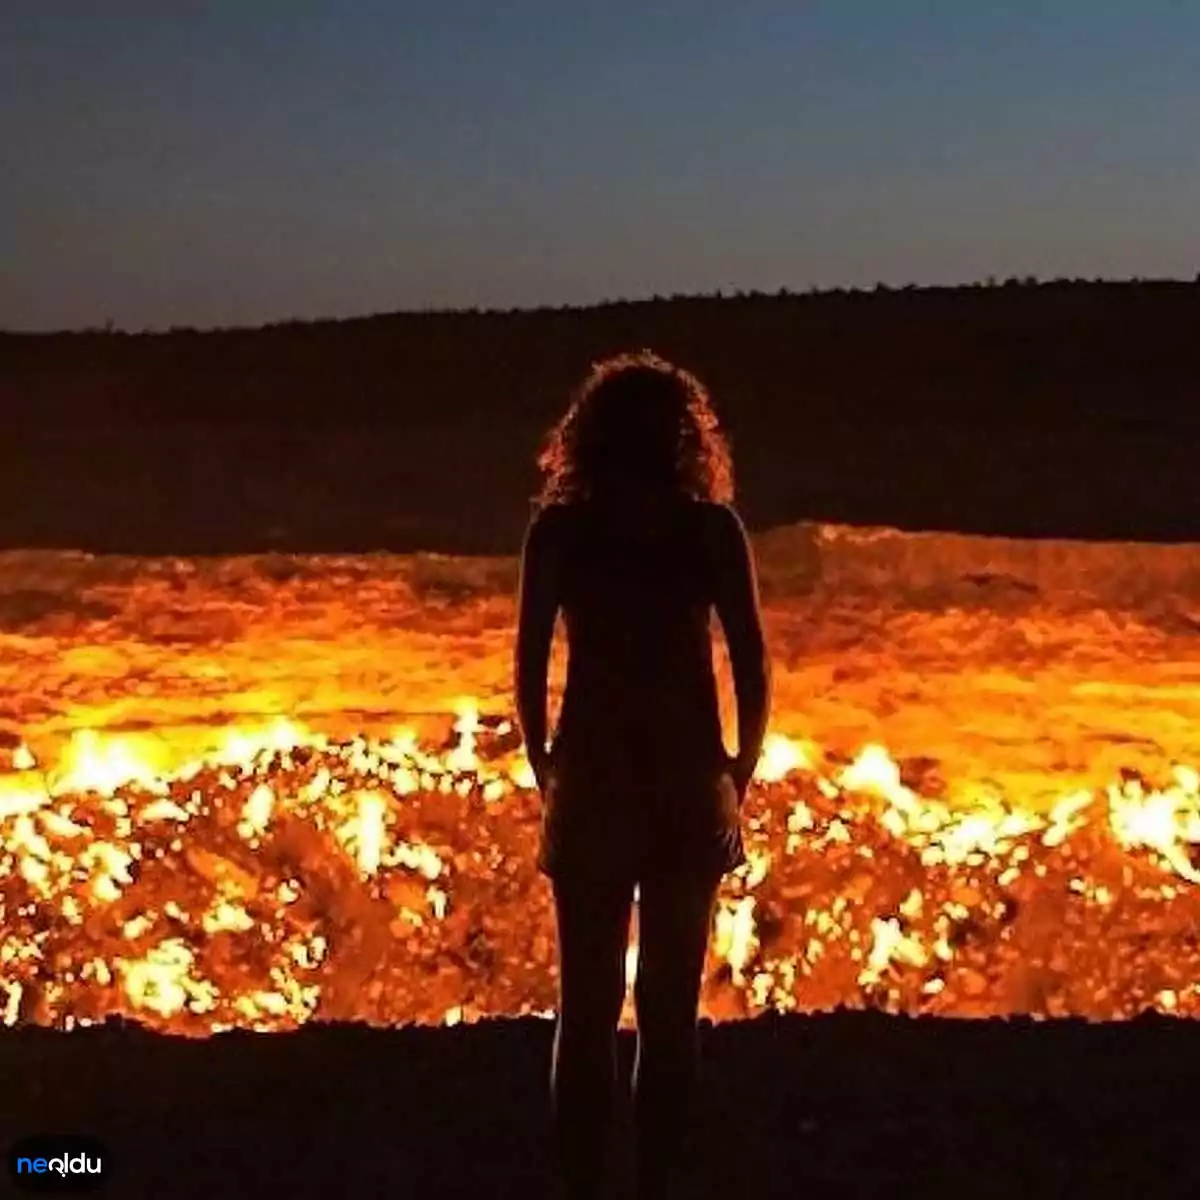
x=537, y=608
x=738, y=606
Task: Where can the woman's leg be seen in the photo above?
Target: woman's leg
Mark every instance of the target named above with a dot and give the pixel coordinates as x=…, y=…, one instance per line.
x=593, y=931
x=674, y=921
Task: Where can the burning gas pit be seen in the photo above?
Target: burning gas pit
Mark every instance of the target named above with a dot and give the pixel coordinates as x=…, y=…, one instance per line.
x=1023, y=844
x=291, y=877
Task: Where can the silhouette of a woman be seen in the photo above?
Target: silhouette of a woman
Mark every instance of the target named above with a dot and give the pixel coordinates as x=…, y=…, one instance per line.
x=635, y=541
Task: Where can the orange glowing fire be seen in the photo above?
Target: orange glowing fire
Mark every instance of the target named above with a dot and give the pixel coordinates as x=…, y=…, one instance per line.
x=288, y=876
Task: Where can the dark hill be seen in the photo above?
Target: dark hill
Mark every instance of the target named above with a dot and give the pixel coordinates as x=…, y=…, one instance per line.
x=1067, y=409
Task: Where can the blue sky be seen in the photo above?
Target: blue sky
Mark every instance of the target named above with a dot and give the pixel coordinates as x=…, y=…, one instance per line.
x=233, y=163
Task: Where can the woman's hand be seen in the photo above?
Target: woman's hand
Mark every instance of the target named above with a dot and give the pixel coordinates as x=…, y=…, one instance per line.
x=741, y=774
x=542, y=765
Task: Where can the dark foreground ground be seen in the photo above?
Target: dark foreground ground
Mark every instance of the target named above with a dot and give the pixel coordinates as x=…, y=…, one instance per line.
x=841, y=1105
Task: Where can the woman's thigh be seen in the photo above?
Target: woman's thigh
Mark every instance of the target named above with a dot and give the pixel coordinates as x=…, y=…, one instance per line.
x=592, y=915
x=675, y=913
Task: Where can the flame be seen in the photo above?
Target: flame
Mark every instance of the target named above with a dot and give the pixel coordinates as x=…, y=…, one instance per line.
x=257, y=812
x=21, y=794
x=1166, y=821
x=890, y=944
x=286, y=877
x=463, y=757
x=735, y=936
x=522, y=775
x=780, y=757
x=12, y=1005
x=367, y=835
x=92, y=765
x=160, y=981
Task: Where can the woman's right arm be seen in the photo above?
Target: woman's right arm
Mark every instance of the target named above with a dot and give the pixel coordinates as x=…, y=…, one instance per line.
x=737, y=605
x=537, y=608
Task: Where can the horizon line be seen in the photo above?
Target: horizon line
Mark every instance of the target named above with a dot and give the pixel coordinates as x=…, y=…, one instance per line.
x=1026, y=282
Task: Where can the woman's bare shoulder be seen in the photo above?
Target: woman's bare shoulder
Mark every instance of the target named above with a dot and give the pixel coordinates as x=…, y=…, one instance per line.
x=550, y=524
x=720, y=522
x=560, y=514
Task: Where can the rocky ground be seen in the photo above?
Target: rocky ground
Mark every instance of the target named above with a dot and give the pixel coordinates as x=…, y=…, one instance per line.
x=838, y=1105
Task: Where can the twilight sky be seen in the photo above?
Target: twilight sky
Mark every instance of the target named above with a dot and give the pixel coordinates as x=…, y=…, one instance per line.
x=239, y=161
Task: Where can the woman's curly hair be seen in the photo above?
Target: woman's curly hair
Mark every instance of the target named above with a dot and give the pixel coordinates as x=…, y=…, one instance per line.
x=637, y=417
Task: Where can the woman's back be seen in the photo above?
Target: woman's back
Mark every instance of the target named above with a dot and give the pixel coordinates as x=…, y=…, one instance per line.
x=636, y=587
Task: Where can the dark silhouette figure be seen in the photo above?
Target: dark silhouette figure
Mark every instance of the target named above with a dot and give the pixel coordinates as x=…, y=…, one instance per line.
x=635, y=543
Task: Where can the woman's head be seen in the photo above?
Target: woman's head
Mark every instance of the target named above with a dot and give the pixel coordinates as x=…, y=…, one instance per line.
x=637, y=421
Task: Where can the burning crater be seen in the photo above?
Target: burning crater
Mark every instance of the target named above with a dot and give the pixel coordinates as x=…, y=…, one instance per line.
x=229, y=798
